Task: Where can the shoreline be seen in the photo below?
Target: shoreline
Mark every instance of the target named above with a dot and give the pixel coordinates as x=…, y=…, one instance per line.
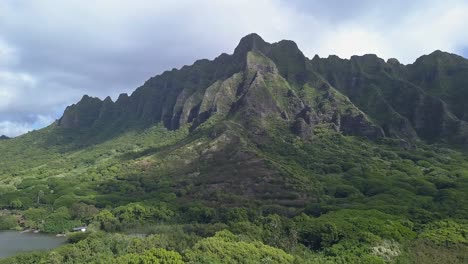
x=37, y=231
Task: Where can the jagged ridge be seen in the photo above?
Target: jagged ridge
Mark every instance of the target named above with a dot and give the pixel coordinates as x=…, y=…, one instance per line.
x=363, y=96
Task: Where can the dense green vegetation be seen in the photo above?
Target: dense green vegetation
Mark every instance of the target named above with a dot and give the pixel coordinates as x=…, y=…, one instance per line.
x=252, y=158
x=373, y=203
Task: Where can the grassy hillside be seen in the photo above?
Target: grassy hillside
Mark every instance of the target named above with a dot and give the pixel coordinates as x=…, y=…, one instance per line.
x=332, y=199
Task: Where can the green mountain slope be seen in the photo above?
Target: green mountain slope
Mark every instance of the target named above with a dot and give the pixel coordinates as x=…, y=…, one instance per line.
x=334, y=160
x=443, y=75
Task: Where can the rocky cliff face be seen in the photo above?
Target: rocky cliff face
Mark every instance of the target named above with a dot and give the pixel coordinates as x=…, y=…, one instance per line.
x=364, y=96
x=389, y=94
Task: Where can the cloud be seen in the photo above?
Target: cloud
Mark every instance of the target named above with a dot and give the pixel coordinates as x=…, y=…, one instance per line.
x=400, y=29
x=16, y=128
x=53, y=52
x=13, y=129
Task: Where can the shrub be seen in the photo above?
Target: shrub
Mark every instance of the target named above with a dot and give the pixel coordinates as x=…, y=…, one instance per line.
x=8, y=222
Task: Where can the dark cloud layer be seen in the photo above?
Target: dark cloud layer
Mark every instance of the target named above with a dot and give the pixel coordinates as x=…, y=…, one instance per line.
x=53, y=52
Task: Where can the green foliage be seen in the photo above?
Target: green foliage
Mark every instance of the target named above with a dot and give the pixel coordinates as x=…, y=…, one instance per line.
x=16, y=204
x=423, y=251
x=77, y=237
x=390, y=195
x=227, y=248
x=364, y=226
x=8, y=222
x=25, y=258
x=137, y=212
x=152, y=256
x=356, y=201
x=446, y=233
x=106, y=220
x=83, y=211
x=34, y=217
x=59, y=221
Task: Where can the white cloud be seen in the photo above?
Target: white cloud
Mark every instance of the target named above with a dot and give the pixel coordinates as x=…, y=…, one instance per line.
x=406, y=32
x=352, y=40
x=12, y=85
x=440, y=26
x=13, y=129
x=23, y=93
x=7, y=54
x=16, y=128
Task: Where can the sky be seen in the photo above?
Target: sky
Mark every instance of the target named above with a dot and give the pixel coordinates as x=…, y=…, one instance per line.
x=54, y=52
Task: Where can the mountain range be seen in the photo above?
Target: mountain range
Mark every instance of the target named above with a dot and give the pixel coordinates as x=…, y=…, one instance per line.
x=363, y=96
x=332, y=160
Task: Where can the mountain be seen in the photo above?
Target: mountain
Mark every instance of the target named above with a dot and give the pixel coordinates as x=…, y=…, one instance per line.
x=400, y=98
x=331, y=159
x=363, y=96
x=3, y=137
x=257, y=80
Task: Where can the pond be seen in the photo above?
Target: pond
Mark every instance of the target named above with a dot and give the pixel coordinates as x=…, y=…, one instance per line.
x=12, y=242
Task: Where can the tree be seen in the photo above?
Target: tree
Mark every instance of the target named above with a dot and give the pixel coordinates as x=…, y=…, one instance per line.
x=40, y=194
x=152, y=256
x=8, y=222
x=16, y=204
x=226, y=247
x=106, y=220
x=83, y=211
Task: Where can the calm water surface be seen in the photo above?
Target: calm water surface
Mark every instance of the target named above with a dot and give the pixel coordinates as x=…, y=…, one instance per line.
x=12, y=242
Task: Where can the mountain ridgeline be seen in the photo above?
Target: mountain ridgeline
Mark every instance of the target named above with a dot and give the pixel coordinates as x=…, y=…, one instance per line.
x=364, y=96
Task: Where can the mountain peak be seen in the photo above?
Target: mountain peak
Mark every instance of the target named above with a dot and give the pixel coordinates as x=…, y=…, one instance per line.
x=3, y=137
x=89, y=98
x=393, y=61
x=438, y=53
x=81, y=114
x=250, y=42
x=108, y=99
x=440, y=57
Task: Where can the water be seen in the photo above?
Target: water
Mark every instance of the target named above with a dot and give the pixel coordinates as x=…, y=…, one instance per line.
x=12, y=243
